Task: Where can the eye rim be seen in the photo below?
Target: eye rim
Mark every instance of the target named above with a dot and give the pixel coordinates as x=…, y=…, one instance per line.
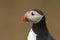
x=32, y=14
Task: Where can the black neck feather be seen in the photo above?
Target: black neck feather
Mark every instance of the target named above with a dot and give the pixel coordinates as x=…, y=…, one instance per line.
x=40, y=27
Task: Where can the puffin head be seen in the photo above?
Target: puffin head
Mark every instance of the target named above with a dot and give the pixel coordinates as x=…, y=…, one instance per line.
x=34, y=16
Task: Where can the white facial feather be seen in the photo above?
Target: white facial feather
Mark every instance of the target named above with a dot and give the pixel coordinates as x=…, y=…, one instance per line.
x=35, y=18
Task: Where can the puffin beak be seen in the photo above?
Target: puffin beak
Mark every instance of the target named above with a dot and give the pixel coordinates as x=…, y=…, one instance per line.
x=23, y=18
x=27, y=19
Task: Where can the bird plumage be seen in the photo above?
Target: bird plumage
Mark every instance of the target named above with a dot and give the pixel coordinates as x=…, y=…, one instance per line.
x=39, y=29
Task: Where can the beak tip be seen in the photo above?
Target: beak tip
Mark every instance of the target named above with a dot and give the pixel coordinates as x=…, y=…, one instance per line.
x=21, y=21
x=22, y=18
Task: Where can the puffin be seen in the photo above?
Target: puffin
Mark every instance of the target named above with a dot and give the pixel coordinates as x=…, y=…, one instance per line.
x=39, y=30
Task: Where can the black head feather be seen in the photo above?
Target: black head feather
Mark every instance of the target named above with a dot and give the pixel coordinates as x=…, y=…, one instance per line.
x=39, y=11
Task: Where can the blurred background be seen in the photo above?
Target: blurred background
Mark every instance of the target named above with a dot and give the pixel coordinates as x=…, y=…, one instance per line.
x=11, y=11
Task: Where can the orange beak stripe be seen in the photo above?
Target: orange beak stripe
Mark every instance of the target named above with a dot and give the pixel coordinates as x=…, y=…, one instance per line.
x=22, y=18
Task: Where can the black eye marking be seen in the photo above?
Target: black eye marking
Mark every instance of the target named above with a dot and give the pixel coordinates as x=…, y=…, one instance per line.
x=32, y=13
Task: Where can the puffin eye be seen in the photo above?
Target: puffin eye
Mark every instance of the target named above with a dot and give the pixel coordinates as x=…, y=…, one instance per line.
x=32, y=13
